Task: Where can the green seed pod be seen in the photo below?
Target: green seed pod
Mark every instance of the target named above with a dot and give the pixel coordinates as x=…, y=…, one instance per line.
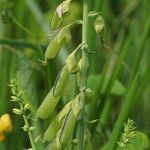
x=57, y=42
x=86, y=65
x=54, y=145
x=99, y=24
x=71, y=61
x=69, y=122
x=53, y=128
x=48, y=105
x=53, y=48
x=56, y=123
x=70, y=114
x=61, y=81
x=64, y=34
x=55, y=22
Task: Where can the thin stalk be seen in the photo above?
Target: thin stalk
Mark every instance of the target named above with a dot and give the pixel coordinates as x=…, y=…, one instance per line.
x=83, y=76
x=29, y=132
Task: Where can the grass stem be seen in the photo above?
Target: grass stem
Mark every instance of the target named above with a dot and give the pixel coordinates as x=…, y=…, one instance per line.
x=83, y=76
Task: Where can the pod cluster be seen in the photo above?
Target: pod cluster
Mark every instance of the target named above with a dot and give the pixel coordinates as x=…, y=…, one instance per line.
x=54, y=95
x=61, y=128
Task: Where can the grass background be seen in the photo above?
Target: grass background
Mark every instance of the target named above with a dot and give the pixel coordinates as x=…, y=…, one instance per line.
x=122, y=54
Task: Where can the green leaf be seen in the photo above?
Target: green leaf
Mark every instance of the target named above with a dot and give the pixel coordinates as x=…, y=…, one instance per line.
x=117, y=88
x=140, y=141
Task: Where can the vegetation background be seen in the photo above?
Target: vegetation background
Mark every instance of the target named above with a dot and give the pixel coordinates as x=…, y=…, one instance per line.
x=122, y=56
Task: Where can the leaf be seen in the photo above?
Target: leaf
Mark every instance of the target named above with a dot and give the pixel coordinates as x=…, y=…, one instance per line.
x=94, y=80
x=140, y=141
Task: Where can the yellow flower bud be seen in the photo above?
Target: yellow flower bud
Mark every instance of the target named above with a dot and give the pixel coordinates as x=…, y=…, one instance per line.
x=5, y=123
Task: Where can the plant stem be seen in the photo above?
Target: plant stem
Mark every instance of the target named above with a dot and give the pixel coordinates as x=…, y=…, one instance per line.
x=29, y=132
x=83, y=76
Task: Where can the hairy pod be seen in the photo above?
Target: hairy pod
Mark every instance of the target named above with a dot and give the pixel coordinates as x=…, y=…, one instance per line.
x=55, y=125
x=55, y=22
x=48, y=105
x=61, y=81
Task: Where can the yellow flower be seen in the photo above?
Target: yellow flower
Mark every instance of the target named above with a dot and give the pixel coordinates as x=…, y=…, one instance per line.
x=5, y=125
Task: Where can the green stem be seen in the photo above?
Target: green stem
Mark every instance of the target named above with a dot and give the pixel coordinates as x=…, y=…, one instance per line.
x=83, y=76
x=29, y=132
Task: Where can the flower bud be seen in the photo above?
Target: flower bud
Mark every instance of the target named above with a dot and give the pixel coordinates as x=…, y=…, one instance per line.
x=27, y=106
x=99, y=24
x=17, y=111
x=5, y=123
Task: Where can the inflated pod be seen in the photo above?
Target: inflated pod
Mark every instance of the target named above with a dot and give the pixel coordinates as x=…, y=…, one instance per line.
x=69, y=122
x=48, y=105
x=55, y=125
x=67, y=127
x=53, y=48
x=54, y=145
x=61, y=81
x=63, y=77
x=52, y=130
x=72, y=62
x=64, y=34
x=57, y=42
x=55, y=22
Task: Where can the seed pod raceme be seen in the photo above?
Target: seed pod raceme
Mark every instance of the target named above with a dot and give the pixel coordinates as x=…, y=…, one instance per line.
x=56, y=123
x=57, y=42
x=48, y=105
x=99, y=24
